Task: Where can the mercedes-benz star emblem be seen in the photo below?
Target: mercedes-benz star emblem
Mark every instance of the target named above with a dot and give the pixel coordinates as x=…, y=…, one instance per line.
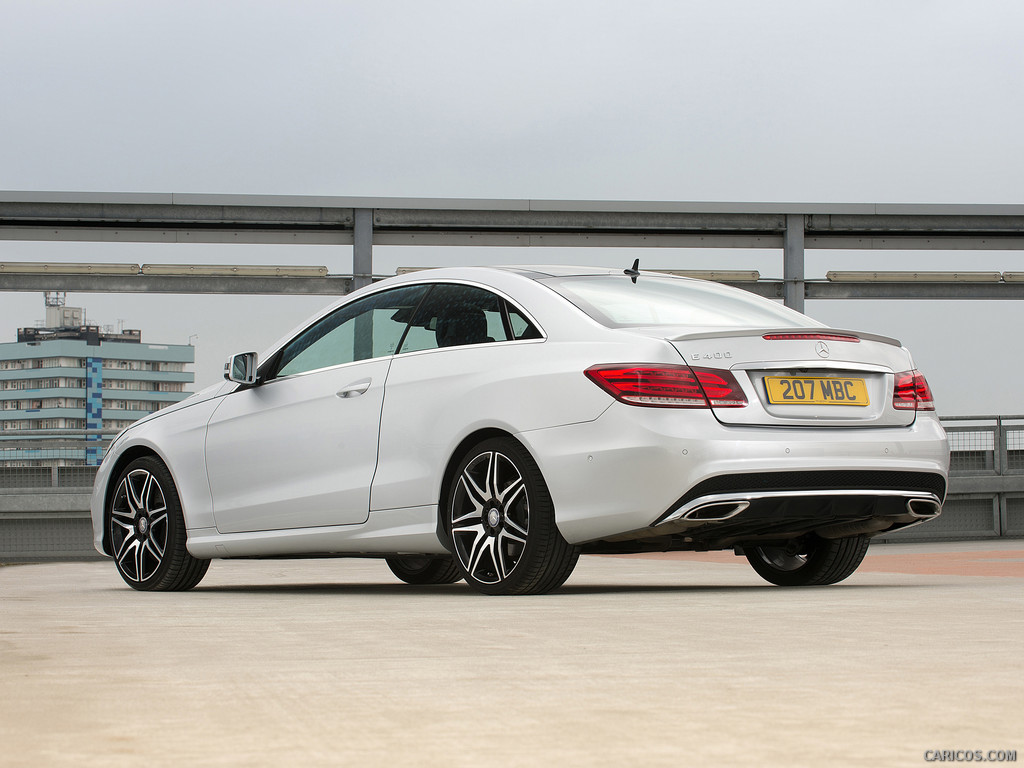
x=821, y=348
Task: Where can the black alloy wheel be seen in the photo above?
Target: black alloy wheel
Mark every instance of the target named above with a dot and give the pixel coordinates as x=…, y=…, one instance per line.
x=146, y=531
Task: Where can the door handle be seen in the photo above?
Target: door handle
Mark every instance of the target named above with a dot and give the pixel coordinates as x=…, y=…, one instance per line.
x=355, y=389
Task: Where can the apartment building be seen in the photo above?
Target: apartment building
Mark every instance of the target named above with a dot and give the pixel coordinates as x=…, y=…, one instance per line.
x=70, y=375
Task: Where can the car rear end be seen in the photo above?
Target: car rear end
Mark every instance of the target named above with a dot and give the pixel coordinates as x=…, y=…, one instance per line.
x=746, y=434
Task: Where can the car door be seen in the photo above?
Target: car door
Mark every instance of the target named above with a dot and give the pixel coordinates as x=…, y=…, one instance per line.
x=299, y=449
x=460, y=367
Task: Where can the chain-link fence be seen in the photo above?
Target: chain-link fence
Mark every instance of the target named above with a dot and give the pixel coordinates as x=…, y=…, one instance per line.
x=986, y=481
x=972, y=449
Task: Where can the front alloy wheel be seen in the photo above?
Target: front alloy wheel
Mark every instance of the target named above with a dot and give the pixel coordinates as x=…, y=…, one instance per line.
x=423, y=569
x=501, y=523
x=146, y=531
x=809, y=560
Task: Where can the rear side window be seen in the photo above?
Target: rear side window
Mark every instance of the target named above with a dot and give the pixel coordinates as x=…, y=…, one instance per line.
x=461, y=315
x=520, y=327
x=616, y=301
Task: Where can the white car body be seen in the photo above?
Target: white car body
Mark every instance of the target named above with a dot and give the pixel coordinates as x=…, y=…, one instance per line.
x=352, y=458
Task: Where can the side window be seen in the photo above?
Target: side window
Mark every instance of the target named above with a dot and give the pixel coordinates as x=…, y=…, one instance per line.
x=370, y=327
x=453, y=316
x=521, y=327
x=459, y=315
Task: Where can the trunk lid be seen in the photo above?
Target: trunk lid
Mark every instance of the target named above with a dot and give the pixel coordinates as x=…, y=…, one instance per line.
x=804, y=376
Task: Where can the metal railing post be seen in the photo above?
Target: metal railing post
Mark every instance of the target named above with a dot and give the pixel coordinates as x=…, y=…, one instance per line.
x=793, y=262
x=999, y=447
x=362, y=248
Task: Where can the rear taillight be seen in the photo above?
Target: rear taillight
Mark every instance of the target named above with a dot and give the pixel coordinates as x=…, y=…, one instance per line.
x=912, y=393
x=669, y=386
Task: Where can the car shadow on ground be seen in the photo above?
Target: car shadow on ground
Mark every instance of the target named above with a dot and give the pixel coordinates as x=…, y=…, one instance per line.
x=455, y=590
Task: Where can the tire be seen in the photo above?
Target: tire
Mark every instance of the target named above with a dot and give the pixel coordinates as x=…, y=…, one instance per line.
x=501, y=523
x=808, y=561
x=146, y=531
x=417, y=569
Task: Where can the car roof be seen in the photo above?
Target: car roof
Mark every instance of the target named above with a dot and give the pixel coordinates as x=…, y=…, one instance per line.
x=538, y=271
x=531, y=271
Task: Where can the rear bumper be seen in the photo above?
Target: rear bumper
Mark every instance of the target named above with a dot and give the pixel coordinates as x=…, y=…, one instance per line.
x=633, y=468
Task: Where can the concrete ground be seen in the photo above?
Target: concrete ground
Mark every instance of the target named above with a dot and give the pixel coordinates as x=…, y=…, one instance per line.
x=683, y=660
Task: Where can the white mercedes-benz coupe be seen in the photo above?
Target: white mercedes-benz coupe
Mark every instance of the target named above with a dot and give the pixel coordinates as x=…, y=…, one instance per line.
x=491, y=424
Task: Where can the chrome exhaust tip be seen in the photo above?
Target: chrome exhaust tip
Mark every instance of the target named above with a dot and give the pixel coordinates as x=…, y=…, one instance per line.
x=716, y=511
x=924, y=509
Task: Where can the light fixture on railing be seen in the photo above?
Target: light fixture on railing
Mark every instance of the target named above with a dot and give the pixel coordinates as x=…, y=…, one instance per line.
x=715, y=275
x=64, y=268
x=912, y=277
x=234, y=270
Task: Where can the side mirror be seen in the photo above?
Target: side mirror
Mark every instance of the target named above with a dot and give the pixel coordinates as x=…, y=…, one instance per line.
x=241, y=368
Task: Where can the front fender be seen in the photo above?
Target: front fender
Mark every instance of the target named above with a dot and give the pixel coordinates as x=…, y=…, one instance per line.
x=179, y=441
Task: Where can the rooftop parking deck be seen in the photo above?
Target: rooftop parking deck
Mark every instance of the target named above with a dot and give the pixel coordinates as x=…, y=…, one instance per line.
x=681, y=659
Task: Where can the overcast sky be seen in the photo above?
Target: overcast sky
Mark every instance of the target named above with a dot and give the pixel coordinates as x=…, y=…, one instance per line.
x=730, y=101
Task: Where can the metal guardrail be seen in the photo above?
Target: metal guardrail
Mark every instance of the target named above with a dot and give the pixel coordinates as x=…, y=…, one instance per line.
x=44, y=511
x=986, y=482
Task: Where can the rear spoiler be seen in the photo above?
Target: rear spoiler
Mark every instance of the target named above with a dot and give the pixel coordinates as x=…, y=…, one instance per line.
x=764, y=331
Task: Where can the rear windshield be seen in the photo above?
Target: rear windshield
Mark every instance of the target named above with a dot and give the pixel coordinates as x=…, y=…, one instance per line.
x=616, y=301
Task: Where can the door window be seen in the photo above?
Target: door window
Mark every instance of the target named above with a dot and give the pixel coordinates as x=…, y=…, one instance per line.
x=367, y=328
x=459, y=315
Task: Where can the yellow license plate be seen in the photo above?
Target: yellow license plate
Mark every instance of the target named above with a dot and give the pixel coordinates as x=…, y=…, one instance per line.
x=807, y=390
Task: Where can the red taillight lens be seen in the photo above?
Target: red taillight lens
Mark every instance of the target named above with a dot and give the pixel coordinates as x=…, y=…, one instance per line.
x=912, y=393
x=721, y=388
x=669, y=386
x=810, y=337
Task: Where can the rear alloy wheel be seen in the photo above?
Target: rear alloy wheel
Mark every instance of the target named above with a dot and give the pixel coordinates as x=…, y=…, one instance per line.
x=420, y=569
x=146, y=531
x=501, y=523
x=809, y=560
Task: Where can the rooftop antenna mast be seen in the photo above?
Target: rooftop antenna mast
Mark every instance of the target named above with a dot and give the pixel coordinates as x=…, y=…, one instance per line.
x=634, y=271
